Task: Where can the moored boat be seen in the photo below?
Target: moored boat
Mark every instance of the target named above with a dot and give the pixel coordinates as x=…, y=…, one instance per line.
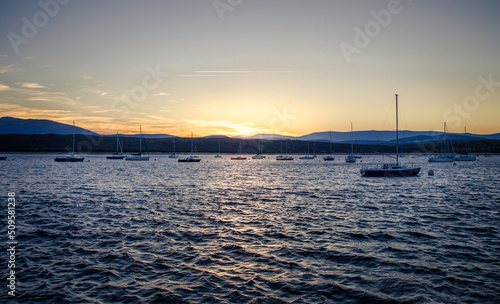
x=392, y=170
x=138, y=156
x=71, y=157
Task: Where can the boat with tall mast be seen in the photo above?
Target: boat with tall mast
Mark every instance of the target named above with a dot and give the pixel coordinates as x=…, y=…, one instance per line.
x=446, y=157
x=192, y=158
x=286, y=156
x=351, y=158
x=138, y=156
x=259, y=154
x=466, y=156
x=392, y=170
x=173, y=154
x=330, y=157
x=71, y=157
x=239, y=157
x=218, y=154
x=119, y=150
x=308, y=156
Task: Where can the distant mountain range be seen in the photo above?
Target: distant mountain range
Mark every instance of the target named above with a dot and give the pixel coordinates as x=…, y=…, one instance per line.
x=9, y=125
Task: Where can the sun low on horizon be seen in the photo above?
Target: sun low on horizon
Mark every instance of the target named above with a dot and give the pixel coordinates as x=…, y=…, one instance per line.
x=241, y=68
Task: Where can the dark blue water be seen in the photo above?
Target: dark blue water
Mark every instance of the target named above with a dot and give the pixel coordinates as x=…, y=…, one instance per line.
x=257, y=231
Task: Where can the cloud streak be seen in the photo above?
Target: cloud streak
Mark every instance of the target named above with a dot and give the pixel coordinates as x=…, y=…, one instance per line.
x=30, y=85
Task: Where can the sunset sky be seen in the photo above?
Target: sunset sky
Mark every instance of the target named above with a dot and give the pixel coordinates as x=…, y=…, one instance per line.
x=242, y=67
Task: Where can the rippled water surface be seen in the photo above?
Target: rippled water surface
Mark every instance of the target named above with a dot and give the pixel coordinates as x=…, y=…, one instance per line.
x=257, y=231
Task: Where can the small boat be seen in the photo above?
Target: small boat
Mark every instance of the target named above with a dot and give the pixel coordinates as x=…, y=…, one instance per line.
x=138, y=156
x=392, y=170
x=446, y=157
x=442, y=159
x=3, y=157
x=309, y=156
x=173, y=154
x=285, y=157
x=466, y=156
x=218, y=154
x=259, y=155
x=239, y=157
x=191, y=158
x=330, y=157
x=71, y=157
x=119, y=150
x=351, y=158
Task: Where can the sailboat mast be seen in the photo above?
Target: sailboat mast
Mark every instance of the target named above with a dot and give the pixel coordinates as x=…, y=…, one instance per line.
x=73, y=137
x=192, y=142
x=397, y=132
x=330, y=141
x=352, y=143
x=140, y=139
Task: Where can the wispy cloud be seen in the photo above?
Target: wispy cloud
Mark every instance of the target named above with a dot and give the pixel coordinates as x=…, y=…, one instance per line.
x=161, y=94
x=95, y=91
x=8, y=69
x=225, y=73
x=3, y=87
x=226, y=127
x=30, y=85
x=85, y=76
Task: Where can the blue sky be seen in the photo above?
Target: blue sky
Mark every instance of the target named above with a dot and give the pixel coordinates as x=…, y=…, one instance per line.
x=241, y=67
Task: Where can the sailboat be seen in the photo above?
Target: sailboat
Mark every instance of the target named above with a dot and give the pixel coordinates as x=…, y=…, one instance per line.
x=138, y=156
x=330, y=157
x=173, y=155
x=446, y=157
x=308, y=156
x=239, y=157
x=119, y=150
x=192, y=158
x=218, y=154
x=392, y=170
x=259, y=152
x=71, y=157
x=285, y=157
x=465, y=157
x=351, y=158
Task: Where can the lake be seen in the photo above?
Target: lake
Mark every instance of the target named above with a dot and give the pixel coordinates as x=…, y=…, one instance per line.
x=256, y=231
